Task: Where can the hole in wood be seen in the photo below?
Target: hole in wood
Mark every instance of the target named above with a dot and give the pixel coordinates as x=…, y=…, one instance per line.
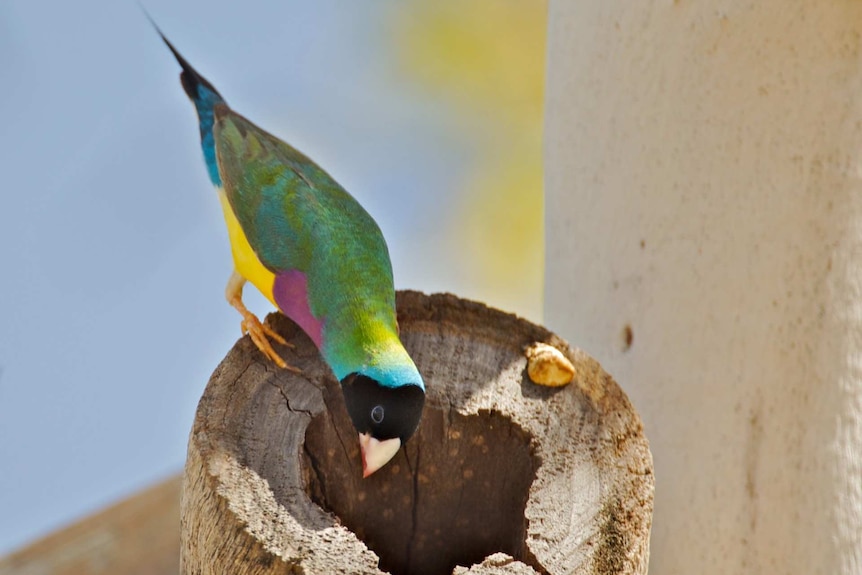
x=453, y=496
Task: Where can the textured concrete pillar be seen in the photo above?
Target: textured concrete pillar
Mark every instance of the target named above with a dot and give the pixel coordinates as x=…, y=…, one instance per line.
x=704, y=242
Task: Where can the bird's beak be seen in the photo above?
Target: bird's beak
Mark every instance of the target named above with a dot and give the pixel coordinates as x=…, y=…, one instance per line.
x=376, y=453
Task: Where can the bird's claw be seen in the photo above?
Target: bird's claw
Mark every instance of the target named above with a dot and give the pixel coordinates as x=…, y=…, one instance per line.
x=260, y=334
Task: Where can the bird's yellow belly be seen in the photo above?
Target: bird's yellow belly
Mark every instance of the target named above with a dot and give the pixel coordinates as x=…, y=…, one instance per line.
x=244, y=259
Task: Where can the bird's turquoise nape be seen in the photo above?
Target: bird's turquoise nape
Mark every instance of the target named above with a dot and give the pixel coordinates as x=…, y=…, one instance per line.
x=320, y=258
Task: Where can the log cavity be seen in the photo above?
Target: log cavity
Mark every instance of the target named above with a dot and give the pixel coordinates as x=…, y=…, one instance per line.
x=453, y=496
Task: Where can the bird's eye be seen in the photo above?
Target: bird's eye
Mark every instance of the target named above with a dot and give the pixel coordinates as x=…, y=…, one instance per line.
x=377, y=414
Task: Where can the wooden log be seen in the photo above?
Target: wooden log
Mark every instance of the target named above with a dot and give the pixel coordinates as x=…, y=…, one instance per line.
x=503, y=476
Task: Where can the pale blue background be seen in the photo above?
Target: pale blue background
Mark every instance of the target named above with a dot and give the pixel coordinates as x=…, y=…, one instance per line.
x=113, y=252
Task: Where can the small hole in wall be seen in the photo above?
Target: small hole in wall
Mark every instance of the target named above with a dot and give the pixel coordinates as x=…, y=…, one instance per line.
x=628, y=337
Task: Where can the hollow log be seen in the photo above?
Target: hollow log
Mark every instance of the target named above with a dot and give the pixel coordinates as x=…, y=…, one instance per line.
x=502, y=477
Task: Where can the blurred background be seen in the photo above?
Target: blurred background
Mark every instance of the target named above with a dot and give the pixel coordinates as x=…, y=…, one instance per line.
x=113, y=248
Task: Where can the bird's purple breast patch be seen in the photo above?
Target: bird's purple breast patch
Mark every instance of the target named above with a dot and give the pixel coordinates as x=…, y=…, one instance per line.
x=290, y=292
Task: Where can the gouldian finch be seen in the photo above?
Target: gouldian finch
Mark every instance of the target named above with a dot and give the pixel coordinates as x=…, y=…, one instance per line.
x=320, y=258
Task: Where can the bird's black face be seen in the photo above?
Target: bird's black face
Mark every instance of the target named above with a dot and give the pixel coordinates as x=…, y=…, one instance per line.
x=382, y=412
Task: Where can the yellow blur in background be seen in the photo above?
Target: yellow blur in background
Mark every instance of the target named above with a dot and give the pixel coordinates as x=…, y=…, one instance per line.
x=486, y=58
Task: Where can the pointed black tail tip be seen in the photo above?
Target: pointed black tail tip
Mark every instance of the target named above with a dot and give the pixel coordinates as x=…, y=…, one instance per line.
x=189, y=78
x=185, y=65
x=154, y=25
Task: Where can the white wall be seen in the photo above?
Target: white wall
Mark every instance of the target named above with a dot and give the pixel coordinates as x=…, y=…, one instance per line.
x=703, y=164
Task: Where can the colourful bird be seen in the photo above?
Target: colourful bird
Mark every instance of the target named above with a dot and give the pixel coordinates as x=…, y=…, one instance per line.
x=320, y=258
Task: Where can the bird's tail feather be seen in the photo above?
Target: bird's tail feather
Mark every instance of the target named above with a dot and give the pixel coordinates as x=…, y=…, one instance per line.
x=205, y=97
x=196, y=86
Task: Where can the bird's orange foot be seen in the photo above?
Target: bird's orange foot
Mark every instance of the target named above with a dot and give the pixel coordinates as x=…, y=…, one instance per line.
x=260, y=334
